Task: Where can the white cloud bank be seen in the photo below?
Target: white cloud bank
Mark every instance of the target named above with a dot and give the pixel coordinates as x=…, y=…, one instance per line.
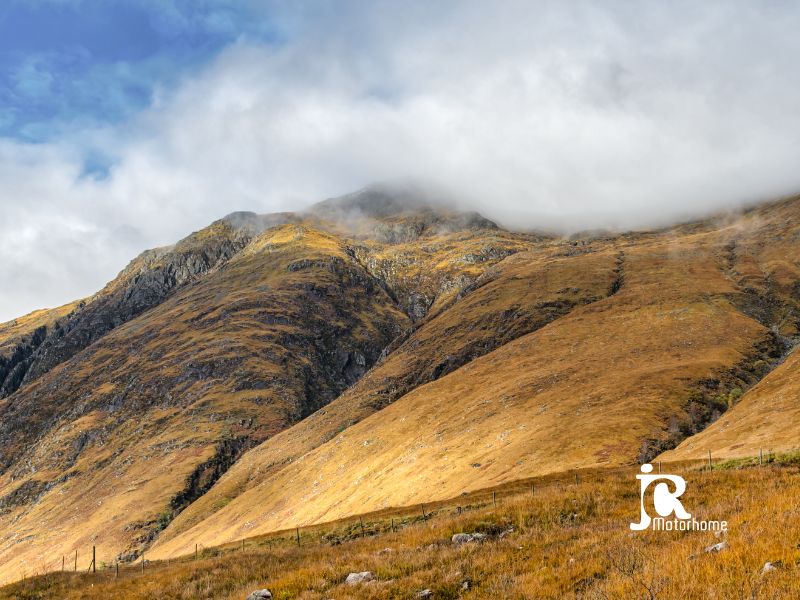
x=567, y=115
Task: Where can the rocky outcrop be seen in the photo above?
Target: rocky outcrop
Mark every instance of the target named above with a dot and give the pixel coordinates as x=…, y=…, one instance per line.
x=143, y=284
x=14, y=367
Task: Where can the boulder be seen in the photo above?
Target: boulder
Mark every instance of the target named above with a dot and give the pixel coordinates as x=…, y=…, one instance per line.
x=260, y=595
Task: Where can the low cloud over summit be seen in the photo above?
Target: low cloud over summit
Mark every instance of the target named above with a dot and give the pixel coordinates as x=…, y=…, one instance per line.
x=552, y=115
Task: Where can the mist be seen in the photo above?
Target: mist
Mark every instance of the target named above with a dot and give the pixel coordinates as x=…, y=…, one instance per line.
x=561, y=116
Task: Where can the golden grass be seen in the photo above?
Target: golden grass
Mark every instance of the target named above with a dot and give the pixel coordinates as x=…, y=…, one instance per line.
x=765, y=418
x=128, y=420
x=581, y=391
x=568, y=541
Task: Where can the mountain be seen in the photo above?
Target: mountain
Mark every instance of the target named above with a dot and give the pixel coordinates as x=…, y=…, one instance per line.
x=763, y=418
x=380, y=349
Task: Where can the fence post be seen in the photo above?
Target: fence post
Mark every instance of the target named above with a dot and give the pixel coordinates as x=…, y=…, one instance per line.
x=392, y=524
x=494, y=499
x=195, y=551
x=298, y=536
x=117, y=570
x=63, y=563
x=424, y=516
x=94, y=559
x=76, y=561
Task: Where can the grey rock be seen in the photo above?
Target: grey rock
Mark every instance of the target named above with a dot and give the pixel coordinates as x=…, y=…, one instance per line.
x=356, y=578
x=260, y=595
x=768, y=568
x=426, y=593
x=466, y=538
x=717, y=547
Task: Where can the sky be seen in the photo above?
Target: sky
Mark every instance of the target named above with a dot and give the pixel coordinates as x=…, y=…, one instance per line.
x=127, y=124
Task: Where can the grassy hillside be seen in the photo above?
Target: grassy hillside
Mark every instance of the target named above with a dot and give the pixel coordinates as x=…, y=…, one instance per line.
x=763, y=420
x=563, y=540
x=108, y=446
x=660, y=334
x=767, y=261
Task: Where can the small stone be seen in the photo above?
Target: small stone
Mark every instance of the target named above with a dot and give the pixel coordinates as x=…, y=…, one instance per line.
x=717, y=547
x=356, y=578
x=466, y=538
x=426, y=593
x=260, y=595
x=466, y=584
x=768, y=568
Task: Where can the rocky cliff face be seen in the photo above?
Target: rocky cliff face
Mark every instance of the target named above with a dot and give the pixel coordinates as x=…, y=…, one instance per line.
x=144, y=283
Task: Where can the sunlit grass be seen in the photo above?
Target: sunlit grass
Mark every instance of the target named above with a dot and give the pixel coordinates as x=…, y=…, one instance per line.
x=558, y=539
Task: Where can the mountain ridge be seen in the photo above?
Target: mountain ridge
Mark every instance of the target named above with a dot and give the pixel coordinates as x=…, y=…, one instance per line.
x=274, y=370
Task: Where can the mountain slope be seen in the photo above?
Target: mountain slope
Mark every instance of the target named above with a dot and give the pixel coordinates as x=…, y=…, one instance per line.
x=766, y=258
x=19, y=340
x=276, y=370
x=520, y=294
x=765, y=418
x=105, y=447
x=143, y=284
x=640, y=362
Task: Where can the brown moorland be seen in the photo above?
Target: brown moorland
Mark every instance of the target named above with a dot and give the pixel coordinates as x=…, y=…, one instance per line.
x=107, y=446
x=365, y=356
x=561, y=540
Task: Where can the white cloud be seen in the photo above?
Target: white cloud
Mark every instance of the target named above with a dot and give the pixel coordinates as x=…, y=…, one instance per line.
x=551, y=114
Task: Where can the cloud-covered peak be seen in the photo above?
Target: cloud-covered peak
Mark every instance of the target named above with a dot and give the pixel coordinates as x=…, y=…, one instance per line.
x=558, y=115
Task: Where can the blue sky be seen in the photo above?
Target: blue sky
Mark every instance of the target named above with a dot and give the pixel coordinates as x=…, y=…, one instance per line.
x=78, y=64
x=127, y=124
